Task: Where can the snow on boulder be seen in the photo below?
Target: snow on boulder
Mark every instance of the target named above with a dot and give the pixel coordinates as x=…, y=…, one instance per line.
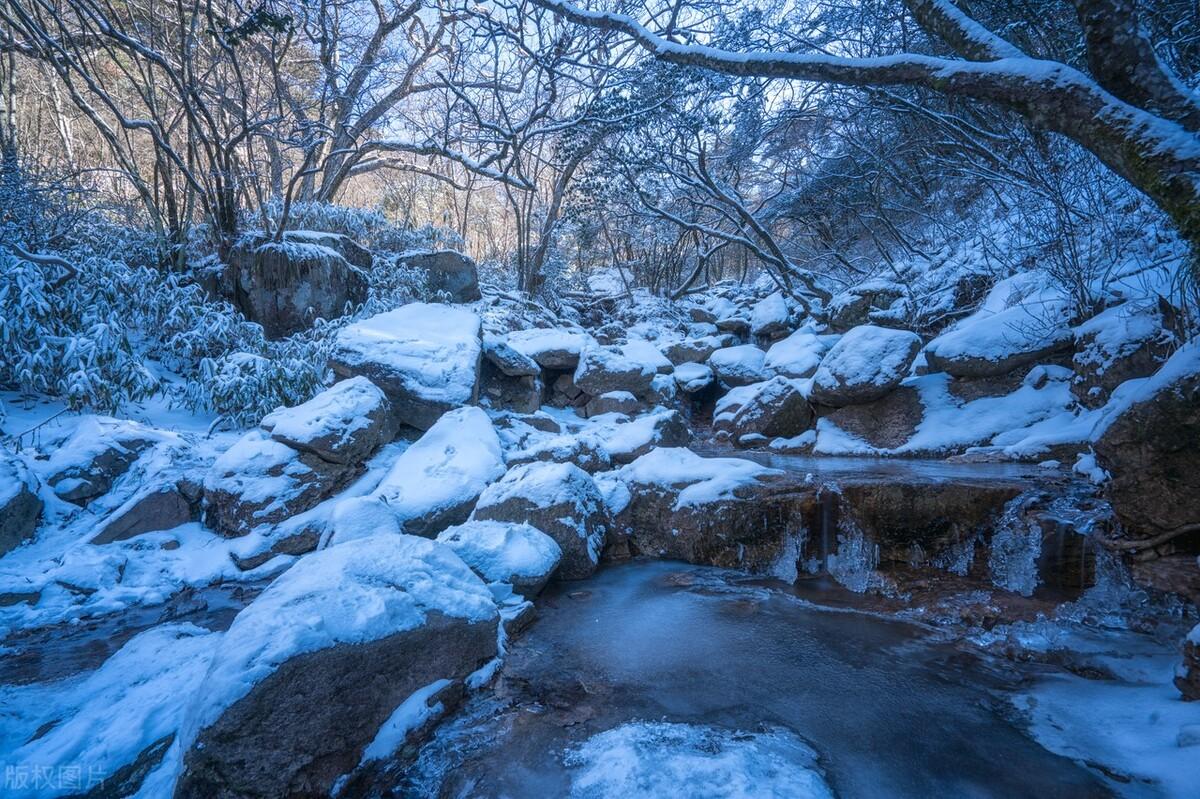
x=696, y=350
x=647, y=354
x=20, y=505
x=551, y=348
x=621, y=402
x=309, y=672
x=603, y=369
x=770, y=317
x=261, y=481
x=1122, y=343
x=1187, y=675
x=1147, y=439
x=796, y=356
x=506, y=552
x=508, y=360
x=775, y=409
x=345, y=423
x=97, y=454
x=628, y=441
x=739, y=366
x=561, y=500
x=424, y=356
x=865, y=364
x=447, y=271
x=435, y=482
x=1022, y=320
x=693, y=377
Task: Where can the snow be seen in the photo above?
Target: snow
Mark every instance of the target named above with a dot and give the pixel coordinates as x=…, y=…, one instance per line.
x=331, y=417
x=646, y=355
x=740, y=364
x=1117, y=332
x=702, y=480
x=353, y=593
x=450, y=464
x=15, y=477
x=361, y=517
x=660, y=759
x=798, y=355
x=103, y=720
x=1183, y=364
x=769, y=313
x=1021, y=314
x=432, y=349
x=410, y=715
x=539, y=340
x=504, y=552
x=693, y=377
x=95, y=435
x=259, y=469
x=866, y=356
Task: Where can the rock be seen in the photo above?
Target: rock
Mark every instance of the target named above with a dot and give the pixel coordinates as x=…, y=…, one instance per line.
x=20, y=505
x=1187, y=676
x=853, y=308
x=770, y=318
x=435, y=482
x=726, y=407
x=776, y=409
x=565, y=394
x=289, y=705
x=518, y=394
x=424, y=356
x=449, y=271
x=693, y=378
x=354, y=253
x=1023, y=320
x=737, y=325
x=648, y=355
x=507, y=360
x=345, y=423
x=865, y=364
x=506, y=552
x=613, y=402
x=583, y=451
x=796, y=356
x=1148, y=444
x=739, y=366
x=886, y=423
x=604, y=369
x=160, y=507
x=551, y=348
x=661, y=428
x=1122, y=343
x=559, y=499
x=700, y=314
x=260, y=481
x=284, y=286
x=98, y=453
x=696, y=350
x=662, y=390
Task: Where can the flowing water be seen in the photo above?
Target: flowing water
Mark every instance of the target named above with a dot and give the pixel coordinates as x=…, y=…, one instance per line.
x=661, y=679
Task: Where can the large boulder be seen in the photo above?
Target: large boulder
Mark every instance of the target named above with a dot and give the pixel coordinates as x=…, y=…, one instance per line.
x=354, y=253
x=853, y=307
x=552, y=348
x=20, y=505
x=692, y=378
x=506, y=552
x=308, y=675
x=770, y=318
x=95, y=456
x=796, y=356
x=285, y=285
x=448, y=271
x=435, y=483
x=1148, y=444
x=343, y=424
x=886, y=423
x=1022, y=321
x=775, y=409
x=865, y=364
x=628, y=441
x=739, y=366
x=1122, y=343
x=424, y=356
x=606, y=369
x=696, y=350
x=156, y=507
x=621, y=402
x=559, y=499
x=510, y=379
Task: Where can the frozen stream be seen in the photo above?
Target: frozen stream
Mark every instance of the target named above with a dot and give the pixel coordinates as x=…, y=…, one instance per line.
x=665, y=679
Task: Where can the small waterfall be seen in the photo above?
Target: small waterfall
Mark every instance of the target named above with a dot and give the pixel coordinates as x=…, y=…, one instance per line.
x=958, y=557
x=787, y=566
x=854, y=563
x=1015, y=548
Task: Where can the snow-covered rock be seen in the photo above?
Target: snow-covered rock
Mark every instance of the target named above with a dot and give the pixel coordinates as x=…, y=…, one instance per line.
x=604, y=369
x=154, y=507
x=739, y=366
x=435, y=483
x=1187, y=677
x=506, y=552
x=1022, y=320
x=310, y=671
x=613, y=402
x=647, y=354
x=97, y=454
x=1122, y=343
x=447, y=271
x=345, y=423
x=796, y=356
x=853, y=307
x=775, y=409
x=20, y=505
x=424, y=356
x=551, y=348
x=696, y=350
x=628, y=441
x=509, y=360
x=770, y=317
x=864, y=365
x=693, y=377
x=559, y=499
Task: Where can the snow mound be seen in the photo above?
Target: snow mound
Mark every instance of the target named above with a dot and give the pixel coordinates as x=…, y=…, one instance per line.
x=865, y=364
x=334, y=423
x=699, y=480
x=685, y=761
x=738, y=366
x=798, y=355
x=504, y=552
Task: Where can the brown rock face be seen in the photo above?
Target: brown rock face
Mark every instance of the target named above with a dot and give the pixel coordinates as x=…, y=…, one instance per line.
x=285, y=286
x=159, y=508
x=885, y=423
x=1187, y=679
x=522, y=394
x=21, y=507
x=1152, y=451
x=307, y=723
x=777, y=409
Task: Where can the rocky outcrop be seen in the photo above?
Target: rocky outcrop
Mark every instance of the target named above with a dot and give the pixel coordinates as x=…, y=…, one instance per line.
x=602, y=370
x=886, y=423
x=343, y=424
x=448, y=271
x=775, y=409
x=866, y=364
x=20, y=506
x=96, y=455
x=559, y=499
x=853, y=308
x=551, y=348
x=285, y=285
x=424, y=356
x=1149, y=448
x=287, y=706
x=1122, y=343
x=160, y=507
